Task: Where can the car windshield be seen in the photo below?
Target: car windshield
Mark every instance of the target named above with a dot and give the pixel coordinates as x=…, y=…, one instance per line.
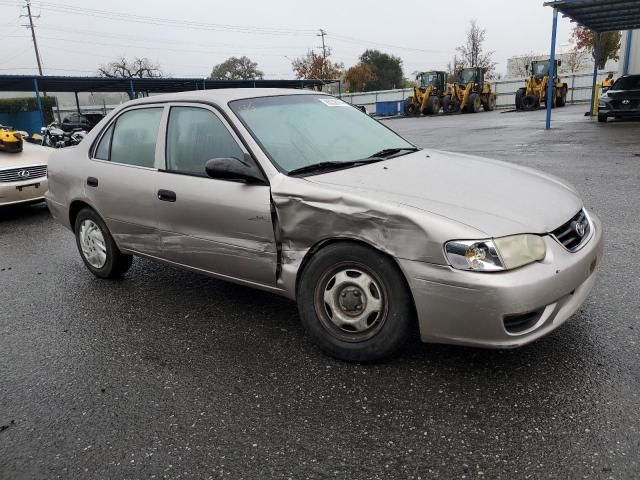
x=540, y=68
x=297, y=131
x=627, y=83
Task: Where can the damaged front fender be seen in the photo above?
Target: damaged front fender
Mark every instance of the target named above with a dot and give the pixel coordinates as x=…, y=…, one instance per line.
x=309, y=214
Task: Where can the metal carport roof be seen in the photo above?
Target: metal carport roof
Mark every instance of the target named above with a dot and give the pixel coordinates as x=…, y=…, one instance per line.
x=601, y=15
x=598, y=16
x=24, y=83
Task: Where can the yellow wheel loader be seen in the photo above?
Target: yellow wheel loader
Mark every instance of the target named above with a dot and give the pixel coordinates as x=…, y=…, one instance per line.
x=534, y=93
x=470, y=93
x=427, y=96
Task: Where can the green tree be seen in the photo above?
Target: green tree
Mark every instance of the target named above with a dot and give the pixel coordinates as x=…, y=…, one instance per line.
x=609, y=44
x=234, y=68
x=387, y=69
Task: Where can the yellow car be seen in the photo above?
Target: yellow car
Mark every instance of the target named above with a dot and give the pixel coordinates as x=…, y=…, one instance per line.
x=10, y=140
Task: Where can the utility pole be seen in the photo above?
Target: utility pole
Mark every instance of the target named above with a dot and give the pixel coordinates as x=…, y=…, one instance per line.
x=33, y=35
x=324, y=53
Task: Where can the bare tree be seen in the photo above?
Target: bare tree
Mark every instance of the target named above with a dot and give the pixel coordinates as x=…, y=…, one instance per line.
x=575, y=60
x=472, y=51
x=519, y=66
x=136, y=68
x=454, y=67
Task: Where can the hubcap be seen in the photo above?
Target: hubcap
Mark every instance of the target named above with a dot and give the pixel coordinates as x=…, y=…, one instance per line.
x=92, y=244
x=354, y=303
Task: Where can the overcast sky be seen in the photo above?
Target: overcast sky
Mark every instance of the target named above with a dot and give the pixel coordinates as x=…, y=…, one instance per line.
x=188, y=37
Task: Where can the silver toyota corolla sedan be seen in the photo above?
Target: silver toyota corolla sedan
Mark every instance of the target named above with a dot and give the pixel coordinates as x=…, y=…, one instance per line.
x=300, y=194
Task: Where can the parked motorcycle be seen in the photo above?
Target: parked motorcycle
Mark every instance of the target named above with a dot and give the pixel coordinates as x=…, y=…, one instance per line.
x=54, y=136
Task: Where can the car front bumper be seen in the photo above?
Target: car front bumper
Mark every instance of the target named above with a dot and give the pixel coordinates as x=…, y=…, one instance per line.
x=618, y=113
x=469, y=308
x=31, y=190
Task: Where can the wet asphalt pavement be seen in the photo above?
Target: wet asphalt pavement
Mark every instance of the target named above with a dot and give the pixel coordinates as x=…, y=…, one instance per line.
x=169, y=374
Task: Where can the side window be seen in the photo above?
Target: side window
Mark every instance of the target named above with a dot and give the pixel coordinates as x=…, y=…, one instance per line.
x=134, y=137
x=102, y=152
x=195, y=135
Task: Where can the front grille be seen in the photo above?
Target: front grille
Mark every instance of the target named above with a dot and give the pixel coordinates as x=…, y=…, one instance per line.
x=631, y=105
x=22, y=174
x=573, y=234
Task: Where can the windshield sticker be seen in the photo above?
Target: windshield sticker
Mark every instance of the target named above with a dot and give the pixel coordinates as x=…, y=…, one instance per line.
x=333, y=102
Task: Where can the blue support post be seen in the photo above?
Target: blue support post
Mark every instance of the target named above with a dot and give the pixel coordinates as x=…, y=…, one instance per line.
x=627, y=52
x=339, y=88
x=552, y=70
x=36, y=87
x=204, y=83
x=595, y=75
x=132, y=94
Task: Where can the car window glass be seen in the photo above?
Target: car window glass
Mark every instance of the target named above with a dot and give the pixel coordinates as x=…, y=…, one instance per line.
x=195, y=135
x=134, y=137
x=102, y=152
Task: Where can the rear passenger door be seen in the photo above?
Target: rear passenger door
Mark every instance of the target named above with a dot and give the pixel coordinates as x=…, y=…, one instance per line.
x=121, y=180
x=220, y=226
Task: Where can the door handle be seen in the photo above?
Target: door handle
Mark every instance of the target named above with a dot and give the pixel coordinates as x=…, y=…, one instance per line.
x=92, y=181
x=166, y=195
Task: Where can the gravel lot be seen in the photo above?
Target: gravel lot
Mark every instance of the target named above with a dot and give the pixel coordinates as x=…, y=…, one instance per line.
x=168, y=374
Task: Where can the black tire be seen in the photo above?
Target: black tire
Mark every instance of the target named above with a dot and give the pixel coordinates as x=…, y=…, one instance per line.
x=328, y=273
x=530, y=102
x=602, y=118
x=116, y=263
x=520, y=94
x=561, y=101
x=433, y=106
x=449, y=105
x=473, y=103
x=490, y=104
x=410, y=107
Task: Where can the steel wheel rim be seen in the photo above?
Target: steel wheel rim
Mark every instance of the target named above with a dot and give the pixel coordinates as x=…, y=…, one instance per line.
x=351, y=302
x=92, y=244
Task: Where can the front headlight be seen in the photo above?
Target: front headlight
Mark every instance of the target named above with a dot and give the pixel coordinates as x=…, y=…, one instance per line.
x=496, y=254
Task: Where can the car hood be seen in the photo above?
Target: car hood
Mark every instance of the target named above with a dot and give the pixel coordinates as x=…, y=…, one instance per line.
x=30, y=155
x=495, y=198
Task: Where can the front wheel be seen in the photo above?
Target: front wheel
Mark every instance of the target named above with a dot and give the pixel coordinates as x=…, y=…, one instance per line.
x=355, y=303
x=99, y=252
x=602, y=118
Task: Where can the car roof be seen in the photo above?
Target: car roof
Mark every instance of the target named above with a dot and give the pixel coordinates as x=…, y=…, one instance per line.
x=222, y=95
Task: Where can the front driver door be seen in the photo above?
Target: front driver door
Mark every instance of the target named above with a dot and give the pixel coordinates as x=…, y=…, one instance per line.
x=220, y=226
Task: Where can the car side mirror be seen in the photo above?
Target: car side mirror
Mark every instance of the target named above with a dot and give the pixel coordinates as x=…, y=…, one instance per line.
x=235, y=169
x=66, y=120
x=559, y=63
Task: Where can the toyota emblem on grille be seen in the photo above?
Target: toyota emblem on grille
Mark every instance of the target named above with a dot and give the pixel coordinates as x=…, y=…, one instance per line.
x=626, y=102
x=24, y=174
x=580, y=229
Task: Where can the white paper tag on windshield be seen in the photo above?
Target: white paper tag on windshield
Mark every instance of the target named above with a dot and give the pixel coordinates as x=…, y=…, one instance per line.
x=333, y=102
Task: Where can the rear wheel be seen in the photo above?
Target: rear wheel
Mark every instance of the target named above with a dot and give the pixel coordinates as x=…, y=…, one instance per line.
x=99, y=252
x=530, y=102
x=354, y=302
x=561, y=101
x=520, y=94
x=433, y=106
x=490, y=103
x=449, y=105
x=473, y=103
x=410, y=108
